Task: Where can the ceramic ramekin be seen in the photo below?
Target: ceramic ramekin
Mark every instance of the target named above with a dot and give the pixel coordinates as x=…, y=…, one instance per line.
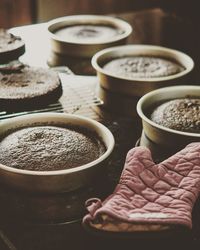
x=139, y=86
x=86, y=48
x=160, y=135
x=59, y=180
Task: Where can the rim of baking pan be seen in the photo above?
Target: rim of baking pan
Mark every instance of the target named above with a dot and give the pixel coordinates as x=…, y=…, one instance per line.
x=148, y=48
x=83, y=19
x=96, y=125
x=162, y=91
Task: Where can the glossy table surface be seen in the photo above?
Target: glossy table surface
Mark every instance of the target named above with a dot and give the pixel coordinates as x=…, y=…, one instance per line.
x=16, y=230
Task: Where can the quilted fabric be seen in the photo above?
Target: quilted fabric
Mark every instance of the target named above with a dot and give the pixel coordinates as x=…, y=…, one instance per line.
x=149, y=196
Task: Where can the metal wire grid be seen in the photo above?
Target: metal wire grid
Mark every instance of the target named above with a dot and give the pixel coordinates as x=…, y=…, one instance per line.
x=78, y=97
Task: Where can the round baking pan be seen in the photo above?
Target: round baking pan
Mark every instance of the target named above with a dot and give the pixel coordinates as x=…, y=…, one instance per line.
x=159, y=152
x=59, y=180
x=139, y=86
x=77, y=48
x=160, y=135
x=118, y=103
x=79, y=66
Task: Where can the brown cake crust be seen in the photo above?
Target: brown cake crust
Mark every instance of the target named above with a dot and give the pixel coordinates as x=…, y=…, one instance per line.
x=87, y=32
x=11, y=46
x=179, y=114
x=11, y=67
x=30, y=86
x=47, y=148
x=142, y=67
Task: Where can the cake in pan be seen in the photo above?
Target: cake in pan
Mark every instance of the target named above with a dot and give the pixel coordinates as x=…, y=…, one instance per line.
x=87, y=32
x=180, y=114
x=47, y=148
x=143, y=67
x=29, y=86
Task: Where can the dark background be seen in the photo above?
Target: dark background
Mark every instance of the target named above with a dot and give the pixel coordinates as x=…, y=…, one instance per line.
x=21, y=12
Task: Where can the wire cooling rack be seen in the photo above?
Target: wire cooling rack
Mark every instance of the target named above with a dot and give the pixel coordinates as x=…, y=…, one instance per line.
x=78, y=97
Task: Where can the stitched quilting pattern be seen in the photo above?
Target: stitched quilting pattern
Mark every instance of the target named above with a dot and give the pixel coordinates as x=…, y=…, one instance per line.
x=150, y=193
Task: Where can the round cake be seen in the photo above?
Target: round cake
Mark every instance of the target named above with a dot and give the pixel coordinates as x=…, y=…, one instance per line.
x=29, y=87
x=11, y=67
x=87, y=33
x=47, y=148
x=11, y=47
x=142, y=67
x=179, y=114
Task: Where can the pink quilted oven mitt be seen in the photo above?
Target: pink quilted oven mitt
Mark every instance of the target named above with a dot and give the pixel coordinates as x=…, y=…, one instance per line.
x=150, y=197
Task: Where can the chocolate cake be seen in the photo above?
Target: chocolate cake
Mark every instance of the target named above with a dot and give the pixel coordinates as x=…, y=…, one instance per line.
x=11, y=46
x=179, y=114
x=47, y=148
x=29, y=87
x=87, y=33
x=142, y=67
x=11, y=67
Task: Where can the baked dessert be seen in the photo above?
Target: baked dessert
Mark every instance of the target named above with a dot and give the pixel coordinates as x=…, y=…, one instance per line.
x=47, y=148
x=179, y=114
x=29, y=87
x=11, y=46
x=142, y=67
x=87, y=33
x=11, y=67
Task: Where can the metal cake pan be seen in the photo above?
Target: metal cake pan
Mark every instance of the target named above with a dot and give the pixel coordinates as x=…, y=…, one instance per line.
x=139, y=86
x=118, y=103
x=84, y=48
x=60, y=180
x=161, y=135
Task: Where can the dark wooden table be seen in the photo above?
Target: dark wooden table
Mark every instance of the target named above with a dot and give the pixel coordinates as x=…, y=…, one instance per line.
x=17, y=230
